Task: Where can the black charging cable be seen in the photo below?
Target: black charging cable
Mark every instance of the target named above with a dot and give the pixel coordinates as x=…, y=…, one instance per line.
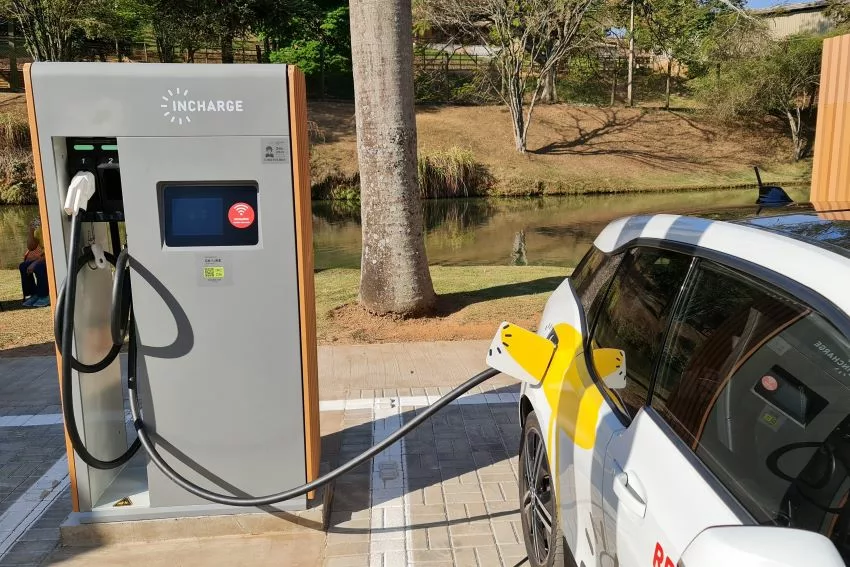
x=121, y=311
x=64, y=328
x=229, y=500
x=120, y=297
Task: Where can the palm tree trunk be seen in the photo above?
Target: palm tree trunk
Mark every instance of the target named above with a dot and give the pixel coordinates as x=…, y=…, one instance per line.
x=394, y=268
x=667, y=88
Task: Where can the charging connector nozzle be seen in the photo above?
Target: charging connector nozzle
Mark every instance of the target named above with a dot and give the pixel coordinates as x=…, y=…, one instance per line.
x=80, y=190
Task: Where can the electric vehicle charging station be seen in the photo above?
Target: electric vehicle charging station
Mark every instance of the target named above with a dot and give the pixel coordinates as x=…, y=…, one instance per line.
x=207, y=168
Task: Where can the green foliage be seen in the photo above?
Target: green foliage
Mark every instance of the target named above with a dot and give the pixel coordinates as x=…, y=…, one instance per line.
x=14, y=131
x=337, y=186
x=780, y=80
x=442, y=174
x=451, y=173
x=454, y=87
x=838, y=11
x=307, y=55
x=783, y=77
x=319, y=44
x=17, y=180
x=583, y=82
x=49, y=26
x=115, y=20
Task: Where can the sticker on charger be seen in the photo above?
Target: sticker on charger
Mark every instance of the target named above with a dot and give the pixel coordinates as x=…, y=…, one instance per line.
x=214, y=271
x=275, y=150
x=241, y=215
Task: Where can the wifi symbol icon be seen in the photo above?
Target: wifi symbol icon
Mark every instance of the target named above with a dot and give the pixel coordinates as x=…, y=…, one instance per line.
x=241, y=215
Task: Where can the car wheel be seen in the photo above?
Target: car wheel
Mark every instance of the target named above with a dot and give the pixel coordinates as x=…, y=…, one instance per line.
x=541, y=529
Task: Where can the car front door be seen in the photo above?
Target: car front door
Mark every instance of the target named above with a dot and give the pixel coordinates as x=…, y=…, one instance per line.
x=630, y=315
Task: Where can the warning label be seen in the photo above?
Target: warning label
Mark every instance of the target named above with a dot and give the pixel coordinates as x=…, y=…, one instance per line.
x=275, y=150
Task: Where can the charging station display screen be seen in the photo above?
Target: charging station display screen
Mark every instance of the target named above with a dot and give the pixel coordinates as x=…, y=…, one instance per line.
x=197, y=217
x=208, y=214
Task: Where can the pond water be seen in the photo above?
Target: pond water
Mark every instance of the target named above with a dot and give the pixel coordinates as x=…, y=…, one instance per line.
x=535, y=231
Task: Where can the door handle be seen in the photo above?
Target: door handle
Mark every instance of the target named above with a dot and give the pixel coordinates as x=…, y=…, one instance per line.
x=630, y=492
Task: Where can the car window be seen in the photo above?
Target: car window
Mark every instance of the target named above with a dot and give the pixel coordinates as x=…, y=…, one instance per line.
x=633, y=317
x=756, y=383
x=591, y=277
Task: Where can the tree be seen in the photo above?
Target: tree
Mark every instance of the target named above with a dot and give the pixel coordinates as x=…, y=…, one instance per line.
x=673, y=28
x=527, y=38
x=838, y=11
x=730, y=38
x=114, y=24
x=780, y=81
x=323, y=43
x=233, y=18
x=48, y=25
x=394, y=268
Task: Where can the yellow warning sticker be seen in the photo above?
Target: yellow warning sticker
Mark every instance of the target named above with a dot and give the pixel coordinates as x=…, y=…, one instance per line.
x=213, y=272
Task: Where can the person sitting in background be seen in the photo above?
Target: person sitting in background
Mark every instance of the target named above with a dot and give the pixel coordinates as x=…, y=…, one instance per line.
x=34, y=270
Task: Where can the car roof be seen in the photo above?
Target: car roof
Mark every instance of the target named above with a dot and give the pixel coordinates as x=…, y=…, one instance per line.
x=817, y=229
x=810, y=248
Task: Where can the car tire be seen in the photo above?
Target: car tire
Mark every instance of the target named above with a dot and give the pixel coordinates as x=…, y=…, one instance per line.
x=541, y=528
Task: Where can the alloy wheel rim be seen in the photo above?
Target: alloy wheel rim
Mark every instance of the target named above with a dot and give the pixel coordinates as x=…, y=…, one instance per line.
x=537, y=500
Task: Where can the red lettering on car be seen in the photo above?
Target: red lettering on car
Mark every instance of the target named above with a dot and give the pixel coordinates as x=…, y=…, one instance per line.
x=658, y=557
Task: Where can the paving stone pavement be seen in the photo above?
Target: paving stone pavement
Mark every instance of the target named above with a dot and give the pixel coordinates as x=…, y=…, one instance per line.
x=446, y=496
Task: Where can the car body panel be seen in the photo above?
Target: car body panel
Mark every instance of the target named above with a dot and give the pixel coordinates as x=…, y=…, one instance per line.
x=679, y=503
x=589, y=442
x=571, y=409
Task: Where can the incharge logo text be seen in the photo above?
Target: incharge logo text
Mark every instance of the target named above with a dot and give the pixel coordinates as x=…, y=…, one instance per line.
x=178, y=107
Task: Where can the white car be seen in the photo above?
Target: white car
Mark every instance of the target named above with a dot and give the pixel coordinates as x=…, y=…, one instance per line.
x=686, y=399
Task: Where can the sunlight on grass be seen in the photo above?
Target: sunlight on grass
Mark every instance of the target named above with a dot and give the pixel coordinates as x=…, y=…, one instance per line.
x=473, y=299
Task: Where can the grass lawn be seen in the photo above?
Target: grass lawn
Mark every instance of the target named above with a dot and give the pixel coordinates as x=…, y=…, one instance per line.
x=24, y=332
x=473, y=301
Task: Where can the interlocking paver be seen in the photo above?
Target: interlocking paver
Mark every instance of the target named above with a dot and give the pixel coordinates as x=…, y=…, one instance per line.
x=512, y=554
x=451, y=502
x=504, y=533
x=348, y=561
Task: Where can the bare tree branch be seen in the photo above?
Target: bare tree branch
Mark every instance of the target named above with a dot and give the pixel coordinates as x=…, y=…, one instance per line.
x=528, y=39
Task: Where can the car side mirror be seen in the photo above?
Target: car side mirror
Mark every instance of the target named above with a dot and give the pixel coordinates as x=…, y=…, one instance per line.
x=520, y=353
x=759, y=546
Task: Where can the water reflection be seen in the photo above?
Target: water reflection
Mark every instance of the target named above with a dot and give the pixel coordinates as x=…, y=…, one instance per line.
x=533, y=231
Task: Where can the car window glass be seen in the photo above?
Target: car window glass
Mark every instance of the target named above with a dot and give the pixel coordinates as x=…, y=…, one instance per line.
x=633, y=317
x=591, y=277
x=757, y=385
